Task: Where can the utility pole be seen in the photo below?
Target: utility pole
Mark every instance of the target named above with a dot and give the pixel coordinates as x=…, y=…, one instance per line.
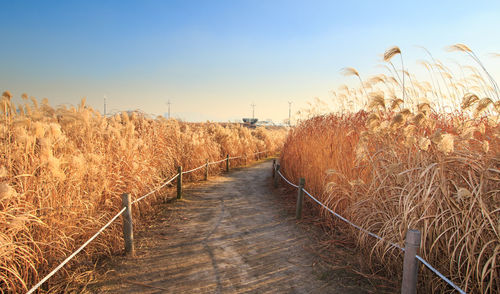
x=104, y=105
x=168, y=103
x=253, y=110
x=289, y=113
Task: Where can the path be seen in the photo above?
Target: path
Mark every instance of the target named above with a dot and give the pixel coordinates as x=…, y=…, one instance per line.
x=228, y=235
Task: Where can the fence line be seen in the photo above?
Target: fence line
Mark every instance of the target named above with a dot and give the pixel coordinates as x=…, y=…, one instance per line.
x=352, y=224
x=215, y=162
x=286, y=180
x=194, y=169
x=62, y=264
x=33, y=289
x=155, y=190
x=435, y=271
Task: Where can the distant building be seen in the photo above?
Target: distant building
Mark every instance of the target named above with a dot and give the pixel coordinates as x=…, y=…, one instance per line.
x=250, y=122
x=265, y=123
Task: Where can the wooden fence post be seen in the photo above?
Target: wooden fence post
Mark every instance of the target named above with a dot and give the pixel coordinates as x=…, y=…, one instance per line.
x=128, y=232
x=274, y=168
x=300, y=198
x=206, y=171
x=227, y=163
x=245, y=160
x=179, y=182
x=410, y=262
x=276, y=178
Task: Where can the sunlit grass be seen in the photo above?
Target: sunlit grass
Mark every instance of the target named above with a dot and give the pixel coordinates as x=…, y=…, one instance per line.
x=62, y=172
x=410, y=161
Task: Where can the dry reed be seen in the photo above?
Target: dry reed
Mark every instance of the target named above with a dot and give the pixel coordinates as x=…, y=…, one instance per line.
x=419, y=167
x=62, y=172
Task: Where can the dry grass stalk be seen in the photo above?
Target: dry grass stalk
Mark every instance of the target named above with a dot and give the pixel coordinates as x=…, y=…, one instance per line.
x=62, y=172
x=422, y=167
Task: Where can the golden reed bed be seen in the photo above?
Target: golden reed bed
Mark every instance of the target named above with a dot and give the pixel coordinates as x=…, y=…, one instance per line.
x=62, y=172
x=407, y=161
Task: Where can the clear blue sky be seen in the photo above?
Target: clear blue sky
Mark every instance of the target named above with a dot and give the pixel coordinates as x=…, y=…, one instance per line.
x=212, y=59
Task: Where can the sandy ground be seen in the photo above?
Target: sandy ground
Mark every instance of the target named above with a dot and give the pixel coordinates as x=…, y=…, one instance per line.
x=232, y=234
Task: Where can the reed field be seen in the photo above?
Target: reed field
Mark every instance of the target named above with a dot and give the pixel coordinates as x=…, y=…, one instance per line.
x=401, y=153
x=62, y=173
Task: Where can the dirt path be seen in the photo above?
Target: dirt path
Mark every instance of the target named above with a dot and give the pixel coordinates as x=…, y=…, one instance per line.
x=228, y=235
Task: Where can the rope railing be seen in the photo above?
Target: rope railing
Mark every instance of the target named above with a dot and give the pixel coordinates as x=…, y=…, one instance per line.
x=215, y=162
x=155, y=190
x=352, y=224
x=301, y=188
x=176, y=176
x=286, y=180
x=194, y=169
x=34, y=288
x=435, y=271
x=338, y=215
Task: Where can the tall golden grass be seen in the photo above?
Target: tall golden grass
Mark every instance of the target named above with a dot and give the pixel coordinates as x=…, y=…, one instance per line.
x=407, y=163
x=62, y=172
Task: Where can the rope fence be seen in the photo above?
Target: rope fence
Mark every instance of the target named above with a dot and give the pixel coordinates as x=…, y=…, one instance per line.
x=75, y=253
x=127, y=217
x=215, y=162
x=435, y=271
x=155, y=190
x=286, y=180
x=410, y=266
x=352, y=224
x=194, y=169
